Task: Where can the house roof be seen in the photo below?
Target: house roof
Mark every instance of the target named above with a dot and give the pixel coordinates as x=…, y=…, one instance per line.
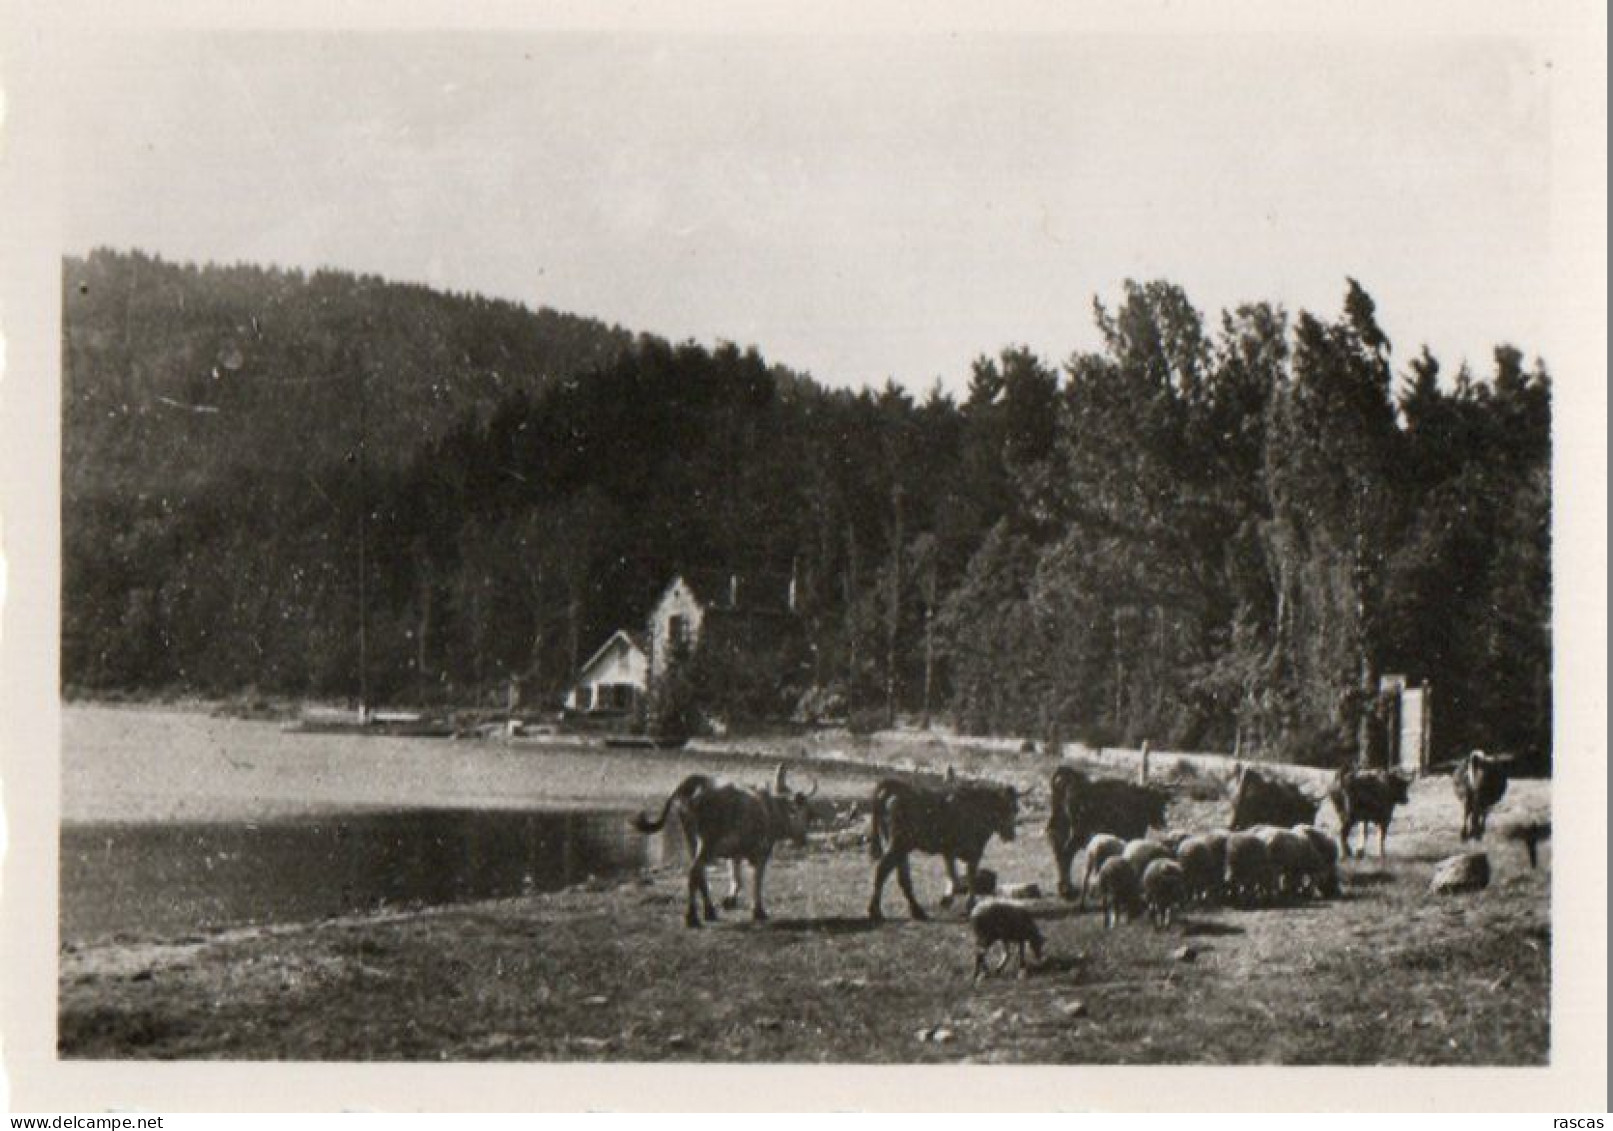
x=752, y=591
x=632, y=639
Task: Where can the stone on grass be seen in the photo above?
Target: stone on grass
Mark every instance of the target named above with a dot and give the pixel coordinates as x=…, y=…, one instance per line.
x=1469, y=871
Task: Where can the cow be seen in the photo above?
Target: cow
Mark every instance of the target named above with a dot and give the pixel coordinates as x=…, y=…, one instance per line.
x=1480, y=783
x=728, y=821
x=1261, y=800
x=1082, y=807
x=951, y=821
x=1367, y=798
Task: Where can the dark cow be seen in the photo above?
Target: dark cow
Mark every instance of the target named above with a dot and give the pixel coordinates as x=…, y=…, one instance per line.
x=951, y=821
x=1480, y=783
x=1367, y=798
x=1261, y=800
x=1082, y=807
x=728, y=821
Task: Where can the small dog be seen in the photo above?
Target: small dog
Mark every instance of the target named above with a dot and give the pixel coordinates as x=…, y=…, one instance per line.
x=999, y=921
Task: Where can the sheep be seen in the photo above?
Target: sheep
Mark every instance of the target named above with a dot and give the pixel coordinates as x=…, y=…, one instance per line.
x=1101, y=847
x=1001, y=921
x=1325, y=846
x=1298, y=865
x=1172, y=839
x=1118, y=890
x=1164, y=889
x=1217, y=840
x=1327, y=851
x=1202, y=867
x=1141, y=853
x=1250, y=876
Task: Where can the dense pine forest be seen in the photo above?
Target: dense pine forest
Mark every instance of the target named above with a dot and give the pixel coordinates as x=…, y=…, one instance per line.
x=1207, y=532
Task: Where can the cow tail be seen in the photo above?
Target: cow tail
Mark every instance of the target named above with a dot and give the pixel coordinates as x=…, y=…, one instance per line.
x=642, y=821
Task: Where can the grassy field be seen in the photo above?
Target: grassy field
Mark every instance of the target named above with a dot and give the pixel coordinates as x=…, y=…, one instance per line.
x=1386, y=975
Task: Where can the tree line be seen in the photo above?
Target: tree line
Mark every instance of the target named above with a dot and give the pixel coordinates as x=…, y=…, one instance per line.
x=1209, y=534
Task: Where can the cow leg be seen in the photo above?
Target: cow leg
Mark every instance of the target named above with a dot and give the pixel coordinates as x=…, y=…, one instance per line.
x=1086, y=882
x=952, y=881
x=1022, y=962
x=698, y=891
x=882, y=873
x=980, y=962
x=735, y=882
x=1383, y=837
x=1064, y=856
x=691, y=916
x=970, y=866
x=904, y=877
x=757, y=911
x=699, y=887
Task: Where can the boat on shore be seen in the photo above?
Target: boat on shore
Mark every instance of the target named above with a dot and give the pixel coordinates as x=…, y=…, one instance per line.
x=388, y=724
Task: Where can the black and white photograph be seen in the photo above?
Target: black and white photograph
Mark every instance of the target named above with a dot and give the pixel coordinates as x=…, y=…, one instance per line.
x=886, y=546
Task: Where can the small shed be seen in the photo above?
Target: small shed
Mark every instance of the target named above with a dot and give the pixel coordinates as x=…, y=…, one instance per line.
x=1409, y=724
x=613, y=679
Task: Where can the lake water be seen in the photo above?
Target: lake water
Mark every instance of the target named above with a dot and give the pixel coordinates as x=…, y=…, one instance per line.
x=167, y=879
x=174, y=822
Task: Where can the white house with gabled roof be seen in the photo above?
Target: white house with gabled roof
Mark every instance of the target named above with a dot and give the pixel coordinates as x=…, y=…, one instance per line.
x=614, y=678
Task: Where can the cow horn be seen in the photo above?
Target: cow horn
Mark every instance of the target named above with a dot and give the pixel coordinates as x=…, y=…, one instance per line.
x=779, y=784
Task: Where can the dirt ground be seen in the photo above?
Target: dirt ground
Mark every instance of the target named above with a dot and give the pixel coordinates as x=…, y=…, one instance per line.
x=1386, y=975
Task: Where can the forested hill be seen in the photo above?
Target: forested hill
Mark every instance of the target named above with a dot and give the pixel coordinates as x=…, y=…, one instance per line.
x=1203, y=532
x=175, y=375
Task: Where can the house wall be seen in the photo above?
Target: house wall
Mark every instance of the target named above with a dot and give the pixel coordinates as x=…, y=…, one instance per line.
x=622, y=664
x=678, y=601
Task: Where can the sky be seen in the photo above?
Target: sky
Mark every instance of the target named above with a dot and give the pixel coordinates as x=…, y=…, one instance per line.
x=862, y=208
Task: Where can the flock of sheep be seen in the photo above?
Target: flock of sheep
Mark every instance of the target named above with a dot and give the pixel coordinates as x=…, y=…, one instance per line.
x=1159, y=877
x=1162, y=876
x=1252, y=863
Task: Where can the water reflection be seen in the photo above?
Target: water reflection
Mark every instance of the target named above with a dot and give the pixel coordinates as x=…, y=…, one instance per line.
x=173, y=878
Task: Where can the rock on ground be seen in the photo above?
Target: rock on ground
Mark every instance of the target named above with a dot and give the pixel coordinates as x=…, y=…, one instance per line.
x=1469, y=871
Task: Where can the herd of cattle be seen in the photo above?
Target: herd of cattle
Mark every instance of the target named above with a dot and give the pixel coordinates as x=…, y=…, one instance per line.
x=1272, y=850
